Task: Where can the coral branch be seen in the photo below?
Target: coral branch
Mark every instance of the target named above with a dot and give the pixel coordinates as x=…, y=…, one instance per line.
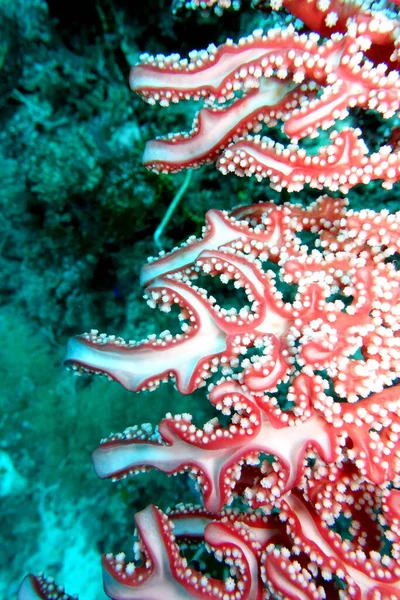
x=281, y=76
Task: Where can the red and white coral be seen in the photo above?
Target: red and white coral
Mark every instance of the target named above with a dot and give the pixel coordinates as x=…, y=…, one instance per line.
x=345, y=301
x=310, y=388
x=304, y=552
x=309, y=381
x=283, y=77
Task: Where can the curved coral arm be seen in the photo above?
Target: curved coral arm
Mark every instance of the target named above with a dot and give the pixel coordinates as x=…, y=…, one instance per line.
x=144, y=365
x=367, y=576
x=39, y=587
x=215, y=454
x=166, y=574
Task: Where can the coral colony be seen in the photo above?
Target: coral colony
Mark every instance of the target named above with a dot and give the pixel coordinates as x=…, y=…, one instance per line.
x=306, y=373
